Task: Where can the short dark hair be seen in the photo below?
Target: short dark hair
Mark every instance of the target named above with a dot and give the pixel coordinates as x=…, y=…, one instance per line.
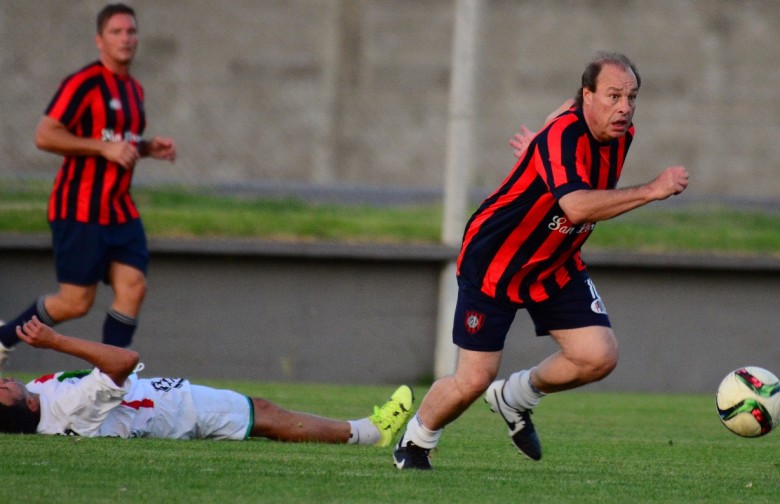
x=18, y=418
x=109, y=11
x=593, y=70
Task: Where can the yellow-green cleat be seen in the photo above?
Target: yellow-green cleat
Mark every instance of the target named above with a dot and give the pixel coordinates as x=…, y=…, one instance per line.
x=392, y=415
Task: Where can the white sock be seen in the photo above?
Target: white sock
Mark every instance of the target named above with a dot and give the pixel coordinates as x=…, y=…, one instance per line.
x=420, y=435
x=519, y=393
x=363, y=432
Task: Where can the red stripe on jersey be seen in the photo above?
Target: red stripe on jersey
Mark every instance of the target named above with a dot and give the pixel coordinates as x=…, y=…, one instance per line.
x=555, y=153
x=584, y=152
x=125, y=202
x=131, y=89
x=91, y=105
x=44, y=378
x=86, y=186
x=138, y=404
x=604, y=166
x=53, y=196
x=66, y=185
x=109, y=180
x=83, y=109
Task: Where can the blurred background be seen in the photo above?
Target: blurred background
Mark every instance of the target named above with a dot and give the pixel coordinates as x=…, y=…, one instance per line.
x=352, y=99
x=279, y=94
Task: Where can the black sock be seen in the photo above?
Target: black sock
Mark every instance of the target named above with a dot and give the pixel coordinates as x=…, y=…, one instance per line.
x=118, y=329
x=8, y=332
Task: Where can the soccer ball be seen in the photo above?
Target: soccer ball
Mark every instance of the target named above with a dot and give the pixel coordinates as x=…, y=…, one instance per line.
x=748, y=401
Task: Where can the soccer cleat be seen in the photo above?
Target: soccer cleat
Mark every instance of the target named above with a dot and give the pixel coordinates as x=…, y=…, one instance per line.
x=412, y=456
x=392, y=415
x=521, y=428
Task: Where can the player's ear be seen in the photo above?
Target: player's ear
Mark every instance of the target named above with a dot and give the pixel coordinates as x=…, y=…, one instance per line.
x=33, y=403
x=587, y=95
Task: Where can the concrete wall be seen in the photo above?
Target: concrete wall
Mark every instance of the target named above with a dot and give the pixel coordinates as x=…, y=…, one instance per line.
x=356, y=91
x=367, y=314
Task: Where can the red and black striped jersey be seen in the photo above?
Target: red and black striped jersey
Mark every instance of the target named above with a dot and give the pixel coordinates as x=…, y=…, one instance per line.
x=96, y=103
x=519, y=246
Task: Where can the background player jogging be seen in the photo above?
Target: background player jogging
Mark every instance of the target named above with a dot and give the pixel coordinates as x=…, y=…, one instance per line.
x=96, y=120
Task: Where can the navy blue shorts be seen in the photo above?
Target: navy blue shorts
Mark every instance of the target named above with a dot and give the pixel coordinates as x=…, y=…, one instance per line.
x=482, y=323
x=83, y=252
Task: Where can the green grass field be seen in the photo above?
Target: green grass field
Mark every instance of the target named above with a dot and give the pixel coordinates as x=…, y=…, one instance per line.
x=599, y=448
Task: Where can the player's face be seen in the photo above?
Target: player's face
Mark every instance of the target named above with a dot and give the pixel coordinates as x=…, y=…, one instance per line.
x=118, y=41
x=11, y=391
x=609, y=109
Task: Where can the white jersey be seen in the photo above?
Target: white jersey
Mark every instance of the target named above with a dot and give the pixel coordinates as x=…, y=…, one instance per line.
x=90, y=404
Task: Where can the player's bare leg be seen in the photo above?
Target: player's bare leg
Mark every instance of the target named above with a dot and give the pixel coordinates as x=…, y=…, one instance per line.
x=447, y=399
x=379, y=429
x=129, y=286
x=450, y=396
x=279, y=424
x=70, y=302
x=587, y=355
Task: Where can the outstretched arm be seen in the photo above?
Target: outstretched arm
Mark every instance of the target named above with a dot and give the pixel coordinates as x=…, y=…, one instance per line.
x=597, y=205
x=115, y=362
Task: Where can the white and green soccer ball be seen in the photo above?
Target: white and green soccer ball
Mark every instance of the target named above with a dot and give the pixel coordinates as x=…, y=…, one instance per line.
x=748, y=401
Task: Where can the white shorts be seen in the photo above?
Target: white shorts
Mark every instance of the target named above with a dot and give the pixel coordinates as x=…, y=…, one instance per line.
x=222, y=414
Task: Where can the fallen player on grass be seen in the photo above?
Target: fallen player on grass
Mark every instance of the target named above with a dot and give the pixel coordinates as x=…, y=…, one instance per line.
x=112, y=401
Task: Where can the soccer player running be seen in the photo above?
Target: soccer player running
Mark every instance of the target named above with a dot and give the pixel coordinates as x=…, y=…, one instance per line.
x=521, y=249
x=111, y=401
x=96, y=121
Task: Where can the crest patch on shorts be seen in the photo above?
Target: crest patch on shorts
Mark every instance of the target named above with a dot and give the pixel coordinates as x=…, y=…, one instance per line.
x=474, y=321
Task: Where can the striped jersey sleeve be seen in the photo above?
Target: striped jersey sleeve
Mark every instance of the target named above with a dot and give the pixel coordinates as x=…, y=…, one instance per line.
x=519, y=246
x=95, y=103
